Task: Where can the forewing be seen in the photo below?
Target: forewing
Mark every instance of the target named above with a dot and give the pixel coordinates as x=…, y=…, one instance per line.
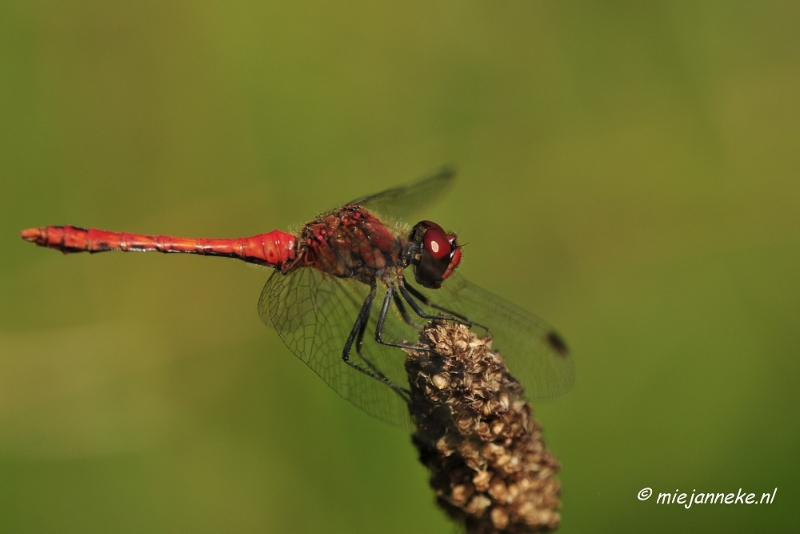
x=403, y=201
x=534, y=353
x=314, y=312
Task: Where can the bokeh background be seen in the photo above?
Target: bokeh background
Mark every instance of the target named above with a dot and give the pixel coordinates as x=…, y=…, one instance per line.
x=629, y=171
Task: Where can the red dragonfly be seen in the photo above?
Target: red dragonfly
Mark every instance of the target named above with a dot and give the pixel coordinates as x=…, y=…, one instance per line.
x=321, y=297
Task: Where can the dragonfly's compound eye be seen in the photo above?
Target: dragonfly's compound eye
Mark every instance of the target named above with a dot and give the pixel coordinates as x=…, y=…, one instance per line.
x=437, y=254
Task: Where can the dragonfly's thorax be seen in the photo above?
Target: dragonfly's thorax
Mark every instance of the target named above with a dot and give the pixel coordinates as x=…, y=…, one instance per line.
x=349, y=242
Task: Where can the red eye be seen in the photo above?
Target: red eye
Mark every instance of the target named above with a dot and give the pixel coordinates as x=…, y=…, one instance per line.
x=436, y=243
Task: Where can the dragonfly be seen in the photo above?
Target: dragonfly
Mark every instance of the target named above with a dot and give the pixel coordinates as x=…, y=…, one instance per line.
x=341, y=301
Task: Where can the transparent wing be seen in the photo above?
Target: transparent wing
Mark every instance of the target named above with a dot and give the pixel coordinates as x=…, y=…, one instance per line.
x=314, y=313
x=535, y=354
x=403, y=201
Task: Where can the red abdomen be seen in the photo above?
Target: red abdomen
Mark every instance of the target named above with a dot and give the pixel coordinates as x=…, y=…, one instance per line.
x=273, y=249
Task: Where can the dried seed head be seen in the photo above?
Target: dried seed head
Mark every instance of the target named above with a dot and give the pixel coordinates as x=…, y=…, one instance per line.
x=477, y=435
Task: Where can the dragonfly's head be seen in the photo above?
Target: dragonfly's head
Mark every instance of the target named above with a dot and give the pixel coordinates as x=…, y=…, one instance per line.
x=433, y=252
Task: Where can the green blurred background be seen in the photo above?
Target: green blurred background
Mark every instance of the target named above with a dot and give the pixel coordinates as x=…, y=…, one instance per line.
x=629, y=171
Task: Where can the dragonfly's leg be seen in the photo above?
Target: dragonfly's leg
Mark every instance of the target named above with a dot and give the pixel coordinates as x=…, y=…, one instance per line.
x=407, y=288
x=382, y=320
x=361, y=321
x=456, y=317
x=398, y=302
x=359, y=350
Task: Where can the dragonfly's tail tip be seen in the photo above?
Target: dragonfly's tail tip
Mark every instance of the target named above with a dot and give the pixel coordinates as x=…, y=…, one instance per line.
x=31, y=235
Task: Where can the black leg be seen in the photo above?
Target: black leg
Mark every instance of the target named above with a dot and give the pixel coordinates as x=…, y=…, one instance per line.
x=398, y=302
x=361, y=321
x=407, y=288
x=360, y=351
x=382, y=320
x=425, y=315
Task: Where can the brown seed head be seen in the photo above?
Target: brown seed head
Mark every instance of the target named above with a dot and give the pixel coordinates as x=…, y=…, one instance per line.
x=477, y=435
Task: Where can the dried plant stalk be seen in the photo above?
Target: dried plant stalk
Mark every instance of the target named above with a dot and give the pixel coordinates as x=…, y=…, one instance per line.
x=477, y=435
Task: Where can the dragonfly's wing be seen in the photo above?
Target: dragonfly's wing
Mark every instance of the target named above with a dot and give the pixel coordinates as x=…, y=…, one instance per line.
x=535, y=354
x=314, y=313
x=403, y=201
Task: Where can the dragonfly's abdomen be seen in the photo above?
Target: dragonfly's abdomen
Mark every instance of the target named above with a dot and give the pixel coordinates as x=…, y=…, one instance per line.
x=272, y=249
